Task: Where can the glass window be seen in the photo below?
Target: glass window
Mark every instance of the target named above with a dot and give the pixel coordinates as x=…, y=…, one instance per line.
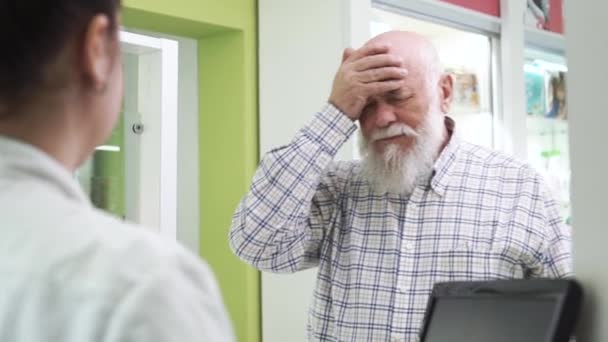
x=547, y=122
x=465, y=55
x=102, y=177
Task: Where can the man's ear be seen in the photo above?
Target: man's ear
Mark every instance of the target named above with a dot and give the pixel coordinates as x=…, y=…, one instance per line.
x=446, y=92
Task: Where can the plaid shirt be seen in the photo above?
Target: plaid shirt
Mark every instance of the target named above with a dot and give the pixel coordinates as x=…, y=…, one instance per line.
x=482, y=216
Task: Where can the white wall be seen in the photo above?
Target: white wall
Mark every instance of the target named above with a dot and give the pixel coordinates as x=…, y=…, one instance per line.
x=297, y=62
x=300, y=48
x=587, y=53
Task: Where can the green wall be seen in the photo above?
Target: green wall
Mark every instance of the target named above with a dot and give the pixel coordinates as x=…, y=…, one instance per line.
x=226, y=34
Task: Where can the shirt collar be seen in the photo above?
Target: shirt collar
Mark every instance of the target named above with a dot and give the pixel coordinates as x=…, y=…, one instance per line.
x=21, y=161
x=443, y=168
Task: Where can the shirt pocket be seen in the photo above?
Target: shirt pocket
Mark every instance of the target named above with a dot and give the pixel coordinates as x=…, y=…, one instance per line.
x=464, y=258
x=469, y=258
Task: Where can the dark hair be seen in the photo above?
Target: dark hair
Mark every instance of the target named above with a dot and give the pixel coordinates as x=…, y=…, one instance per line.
x=34, y=32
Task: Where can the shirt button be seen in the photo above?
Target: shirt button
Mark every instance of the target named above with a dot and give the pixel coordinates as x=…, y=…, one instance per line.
x=465, y=246
x=409, y=246
x=403, y=288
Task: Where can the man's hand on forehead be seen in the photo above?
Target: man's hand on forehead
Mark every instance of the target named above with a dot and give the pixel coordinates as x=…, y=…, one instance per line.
x=364, y=73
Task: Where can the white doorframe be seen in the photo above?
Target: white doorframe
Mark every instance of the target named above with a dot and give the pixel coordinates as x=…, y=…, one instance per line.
x=168, y=153
x=151, y=171
x=513, y=85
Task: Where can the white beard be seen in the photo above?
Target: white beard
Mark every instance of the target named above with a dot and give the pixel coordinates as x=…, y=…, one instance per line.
x=397, y=171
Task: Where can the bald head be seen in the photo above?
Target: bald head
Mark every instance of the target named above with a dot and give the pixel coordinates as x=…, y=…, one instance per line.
x=418, y=53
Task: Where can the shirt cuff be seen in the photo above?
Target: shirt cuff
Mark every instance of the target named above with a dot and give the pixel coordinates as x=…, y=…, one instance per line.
x=331, y=128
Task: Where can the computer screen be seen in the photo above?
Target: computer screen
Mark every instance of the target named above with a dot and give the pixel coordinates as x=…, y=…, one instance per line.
x=495, y=319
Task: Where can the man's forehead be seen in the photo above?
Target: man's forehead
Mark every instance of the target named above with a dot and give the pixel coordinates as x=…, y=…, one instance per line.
x=413, y=80
x=404, y=91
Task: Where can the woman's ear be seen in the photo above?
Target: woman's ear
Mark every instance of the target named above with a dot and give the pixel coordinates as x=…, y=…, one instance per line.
x=98, y=50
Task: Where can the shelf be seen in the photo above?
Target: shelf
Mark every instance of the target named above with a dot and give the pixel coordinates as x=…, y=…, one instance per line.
x=541, y=125
x=545, y=40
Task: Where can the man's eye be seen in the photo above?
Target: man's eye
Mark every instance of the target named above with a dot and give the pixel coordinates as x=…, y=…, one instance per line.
x=401, y=97
x=370, y=107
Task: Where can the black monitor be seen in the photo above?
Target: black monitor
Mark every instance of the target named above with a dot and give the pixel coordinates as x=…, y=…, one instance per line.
x=542, y=310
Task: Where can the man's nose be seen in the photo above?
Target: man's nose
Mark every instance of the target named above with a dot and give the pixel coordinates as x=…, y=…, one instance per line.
x=385, y=115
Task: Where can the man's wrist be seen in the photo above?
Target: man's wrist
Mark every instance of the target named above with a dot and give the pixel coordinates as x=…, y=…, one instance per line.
x=331, y=128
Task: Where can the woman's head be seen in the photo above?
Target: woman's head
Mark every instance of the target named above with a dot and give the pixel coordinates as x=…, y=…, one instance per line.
x=60, y=57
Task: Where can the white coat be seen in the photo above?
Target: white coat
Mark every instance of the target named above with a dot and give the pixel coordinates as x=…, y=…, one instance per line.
x=71, y=273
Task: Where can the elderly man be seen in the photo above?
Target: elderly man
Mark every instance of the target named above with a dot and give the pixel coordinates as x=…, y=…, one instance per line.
x=421, y=207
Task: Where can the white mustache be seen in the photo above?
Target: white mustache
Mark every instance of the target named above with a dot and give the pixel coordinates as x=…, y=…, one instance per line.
x=397, y=129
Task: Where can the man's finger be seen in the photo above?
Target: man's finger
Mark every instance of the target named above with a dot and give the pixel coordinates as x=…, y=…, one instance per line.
x=382, y=74
x=378, y=88
x=347, y=53
x=377, y=61
x=369, y=50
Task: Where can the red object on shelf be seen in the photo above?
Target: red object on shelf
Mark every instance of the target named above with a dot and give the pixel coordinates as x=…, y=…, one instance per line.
x=556, y=16
x=491, y=7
